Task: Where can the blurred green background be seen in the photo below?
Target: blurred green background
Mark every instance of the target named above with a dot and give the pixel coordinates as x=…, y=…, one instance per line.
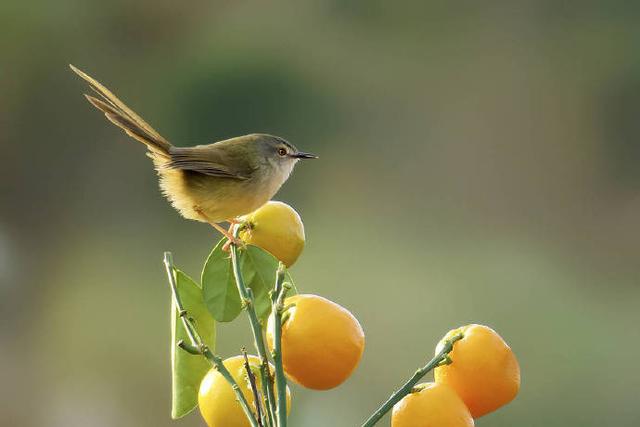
x=479, y=163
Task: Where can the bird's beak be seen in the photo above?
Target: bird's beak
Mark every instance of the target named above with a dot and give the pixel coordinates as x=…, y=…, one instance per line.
x=301, y=155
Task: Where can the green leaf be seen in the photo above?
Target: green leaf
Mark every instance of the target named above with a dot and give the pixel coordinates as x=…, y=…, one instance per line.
x=219, y=286
x=220, y=290
x=263, y=266
x=187, y=370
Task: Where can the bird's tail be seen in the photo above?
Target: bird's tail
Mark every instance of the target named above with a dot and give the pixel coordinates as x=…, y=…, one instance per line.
x=123, y=117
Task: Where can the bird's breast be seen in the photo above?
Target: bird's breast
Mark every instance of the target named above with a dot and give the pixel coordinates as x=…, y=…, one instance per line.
x=218, y=198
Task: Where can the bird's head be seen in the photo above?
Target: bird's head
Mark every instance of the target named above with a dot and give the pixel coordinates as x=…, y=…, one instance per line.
x=279, y=153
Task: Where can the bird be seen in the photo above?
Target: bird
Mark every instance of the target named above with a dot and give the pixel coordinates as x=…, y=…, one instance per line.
x=212, y=183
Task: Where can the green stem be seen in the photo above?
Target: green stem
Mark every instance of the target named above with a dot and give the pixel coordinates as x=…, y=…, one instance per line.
x=246, y=294
x=254, y=388
x=408, y=386
x=281, y=382
x=198, y=344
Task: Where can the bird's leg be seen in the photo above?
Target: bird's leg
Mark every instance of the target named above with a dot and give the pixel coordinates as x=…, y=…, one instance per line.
x=232, y=223
x=226, y=233
x=221, y=229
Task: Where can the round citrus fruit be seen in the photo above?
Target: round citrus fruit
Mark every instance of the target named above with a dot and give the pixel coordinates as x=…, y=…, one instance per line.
x=217, y=401
x=277, y=228
x=484, y=371
x=322, y=342
x=432, y=405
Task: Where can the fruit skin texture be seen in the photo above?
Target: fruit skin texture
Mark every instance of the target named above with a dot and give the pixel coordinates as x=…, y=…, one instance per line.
x=217, y=401
x=436, y=405
x=485, y=372
x=322, y=342
x=277, y=228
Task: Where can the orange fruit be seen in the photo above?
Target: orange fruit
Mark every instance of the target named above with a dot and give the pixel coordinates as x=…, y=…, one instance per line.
x=217, y=401
x=484, y=372
x=277, y=228
x=322, y=342
x=434, y=405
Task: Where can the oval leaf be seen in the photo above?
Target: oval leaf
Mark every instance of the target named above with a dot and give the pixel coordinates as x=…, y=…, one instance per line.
x=220, y=290
x=259, y=270
x=187, y=370
x=219, y=286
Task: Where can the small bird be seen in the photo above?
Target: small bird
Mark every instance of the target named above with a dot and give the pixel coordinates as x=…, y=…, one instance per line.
x=211, y=183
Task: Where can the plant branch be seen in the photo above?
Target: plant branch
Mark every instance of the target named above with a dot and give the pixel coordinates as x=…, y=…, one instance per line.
x=246, y=294
x=197, y=346
x=254, y=388
x=280, y=291
x=442, y=356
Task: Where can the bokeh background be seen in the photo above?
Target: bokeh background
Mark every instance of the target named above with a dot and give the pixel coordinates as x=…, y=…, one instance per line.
x=479, y=163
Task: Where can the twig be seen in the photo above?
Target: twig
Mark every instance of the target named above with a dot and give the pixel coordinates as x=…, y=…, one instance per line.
x=246, y=294
x=280, y=291
x=197, y=346
x=254, y=387
x=442, y=356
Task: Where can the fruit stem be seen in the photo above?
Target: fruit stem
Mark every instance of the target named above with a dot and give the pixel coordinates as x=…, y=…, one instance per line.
x=246, y=294
x=277, y=309
x=408, y=387
x=197, y=344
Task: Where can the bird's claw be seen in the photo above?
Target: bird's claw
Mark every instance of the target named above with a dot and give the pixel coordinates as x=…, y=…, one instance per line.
x=238, y=242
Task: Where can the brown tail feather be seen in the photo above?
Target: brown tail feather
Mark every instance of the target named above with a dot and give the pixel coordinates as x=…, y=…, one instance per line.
x=123, y=117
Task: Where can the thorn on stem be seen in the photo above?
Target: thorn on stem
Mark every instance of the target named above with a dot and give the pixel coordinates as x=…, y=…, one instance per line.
x=445, y=361
x=285, y=317
x=418, y=388
x=189, y=348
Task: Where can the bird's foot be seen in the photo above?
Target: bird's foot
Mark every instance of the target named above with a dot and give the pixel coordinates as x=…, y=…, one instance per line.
x=227, y=245
x=226, y=233
x=237, y=223
x=230, y=238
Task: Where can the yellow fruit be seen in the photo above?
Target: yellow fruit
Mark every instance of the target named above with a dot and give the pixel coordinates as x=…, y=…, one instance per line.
x=322, y=342
x=485, y=372
x=217, y=401
x=435, y=405
x=277, y=228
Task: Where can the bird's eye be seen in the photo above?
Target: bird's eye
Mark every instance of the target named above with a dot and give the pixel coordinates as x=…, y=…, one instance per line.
x=282, y=152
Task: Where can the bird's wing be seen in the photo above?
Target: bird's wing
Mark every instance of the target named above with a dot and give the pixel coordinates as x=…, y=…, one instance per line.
x=210, y=160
